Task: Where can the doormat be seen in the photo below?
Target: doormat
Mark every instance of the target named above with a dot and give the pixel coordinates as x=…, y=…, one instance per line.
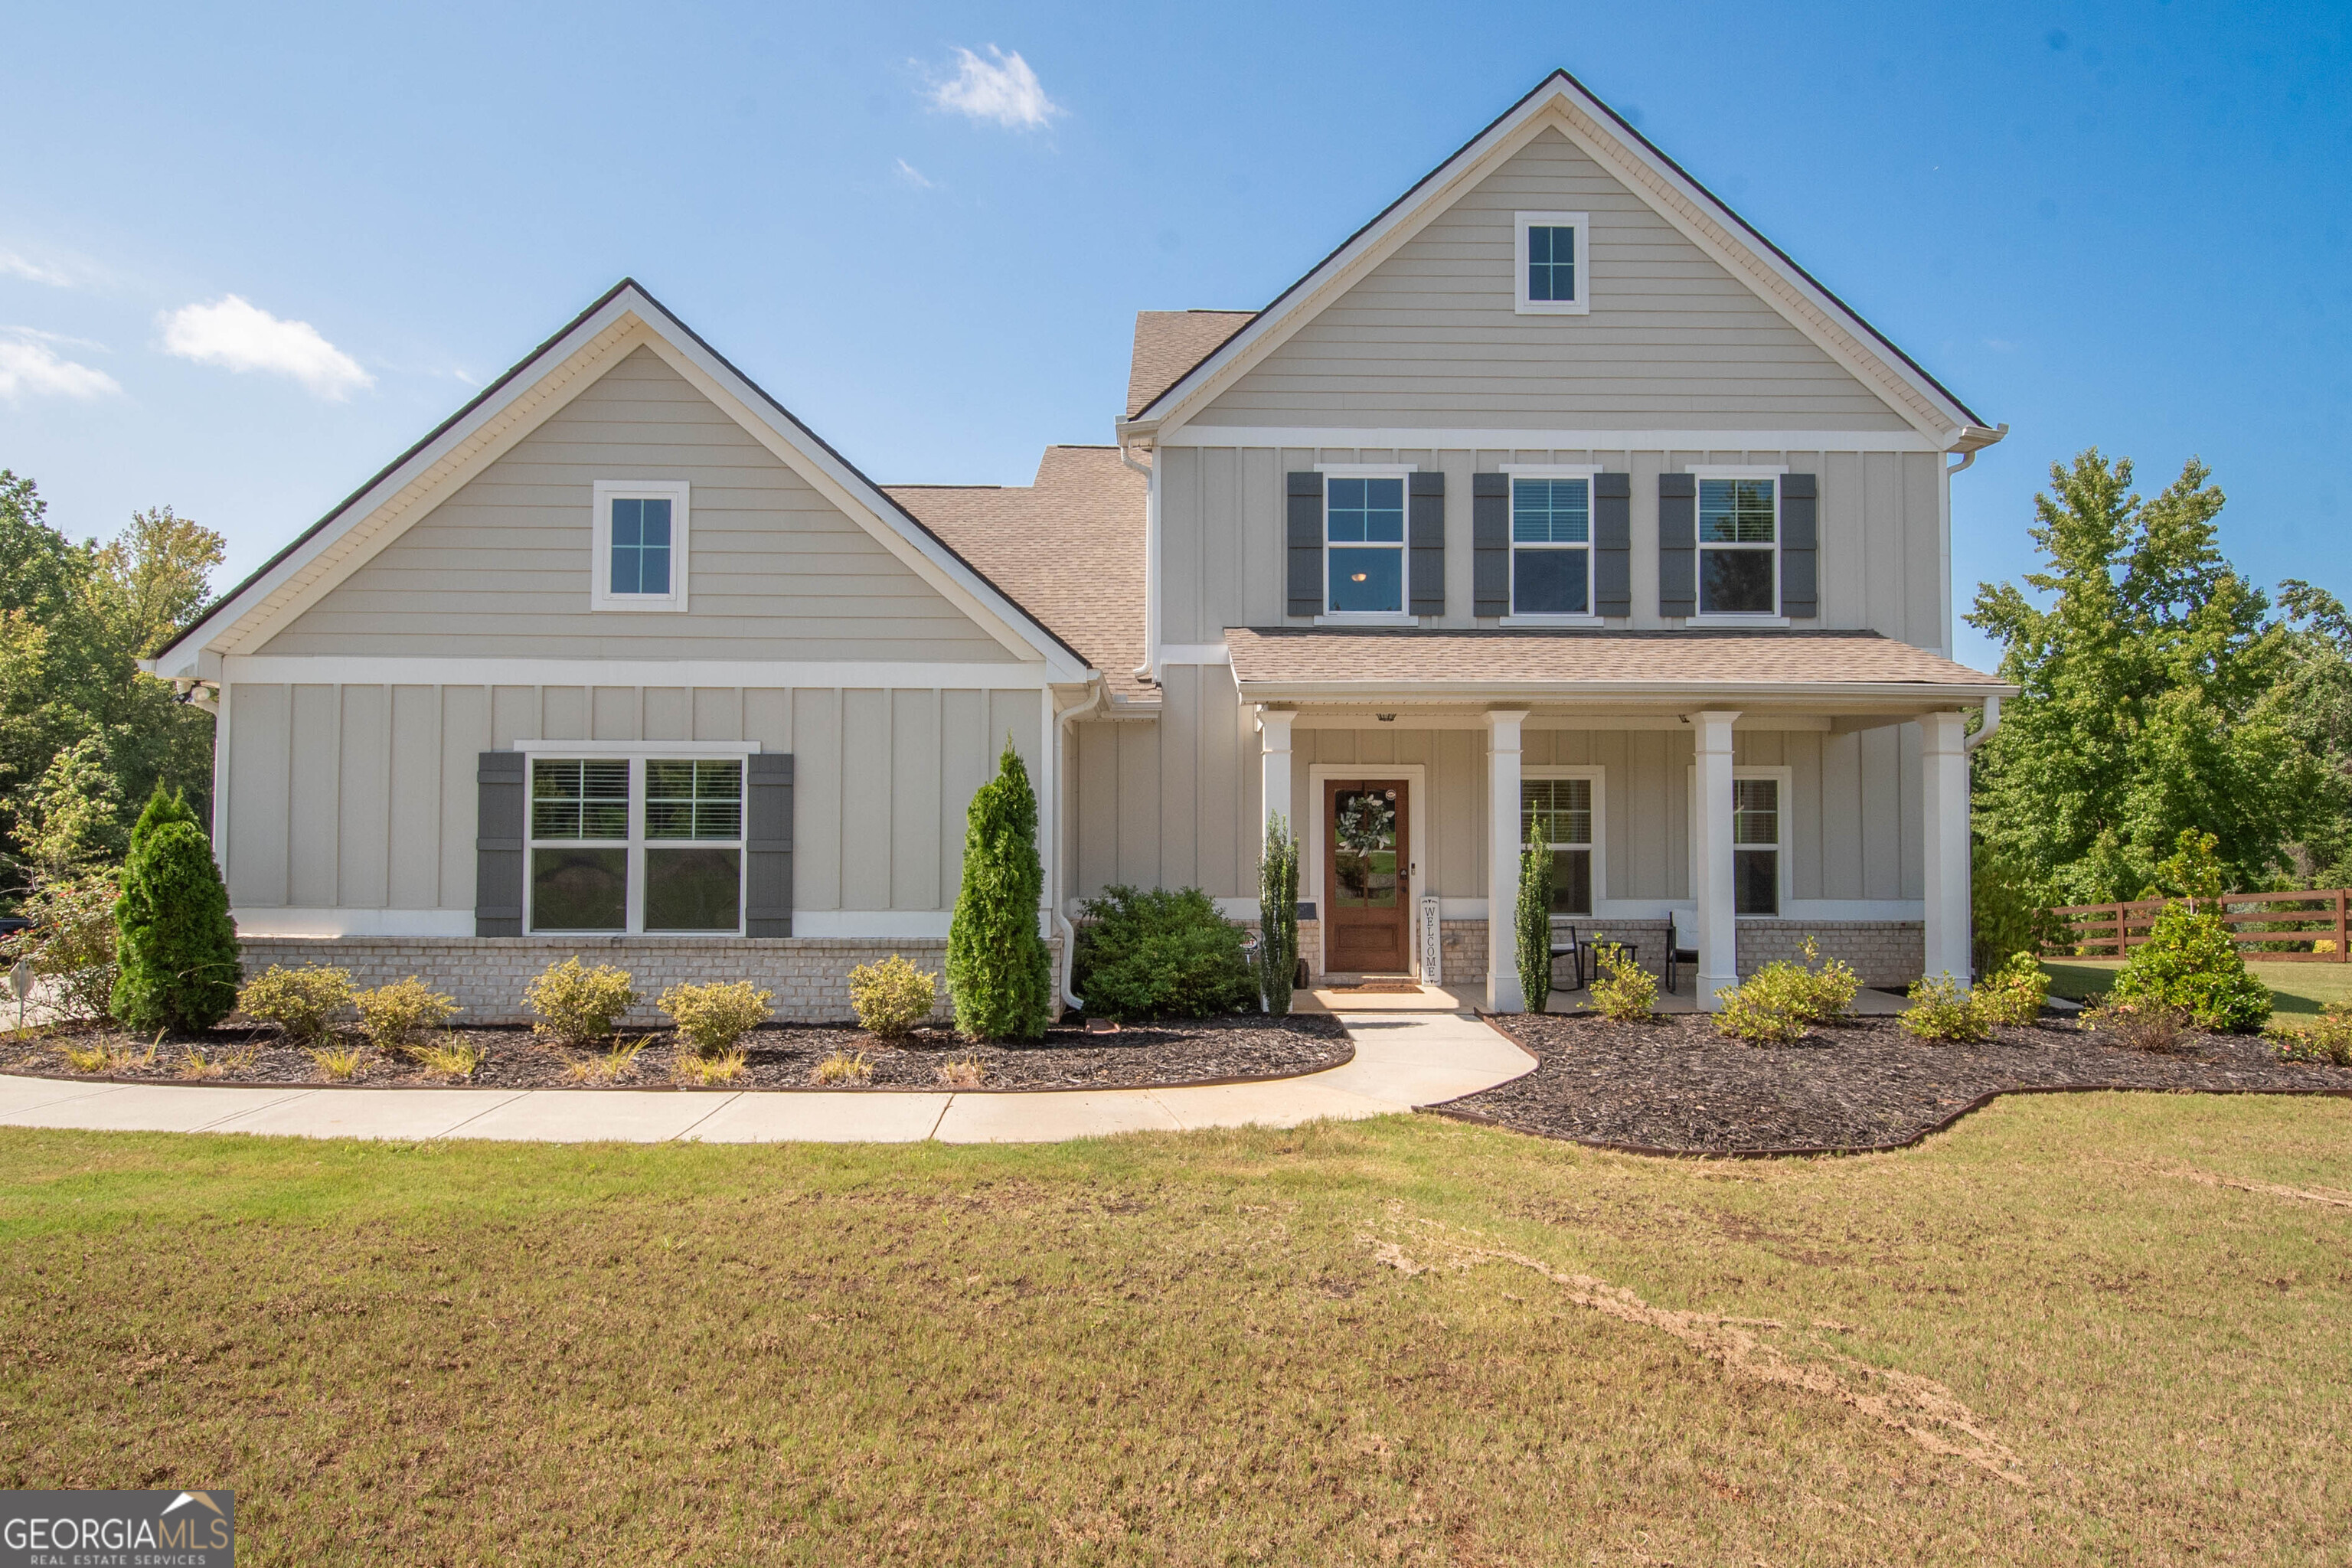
x=1378, y=988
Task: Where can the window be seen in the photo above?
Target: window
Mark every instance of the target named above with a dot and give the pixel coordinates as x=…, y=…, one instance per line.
x=638, y=536
x=1363, y=545
x=1554, y=262
x=1756, y=846
x=1551, y=546
x=1559, y=812
x=1739, y=546
x=597, y=864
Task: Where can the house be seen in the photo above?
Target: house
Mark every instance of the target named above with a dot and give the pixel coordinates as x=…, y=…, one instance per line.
x=1557, y=498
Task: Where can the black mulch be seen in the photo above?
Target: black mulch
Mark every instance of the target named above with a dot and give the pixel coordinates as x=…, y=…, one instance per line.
x=1676, y=1086
x=1195, y=1050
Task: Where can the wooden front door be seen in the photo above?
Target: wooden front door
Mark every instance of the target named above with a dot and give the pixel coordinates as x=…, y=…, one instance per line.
x=1367, y=869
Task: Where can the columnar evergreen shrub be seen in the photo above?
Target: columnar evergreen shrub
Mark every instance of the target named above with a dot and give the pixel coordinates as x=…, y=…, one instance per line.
x=1162, y=954
x=998, y=974
x=173, y=939
x=1277, y=914
x=1533, y=921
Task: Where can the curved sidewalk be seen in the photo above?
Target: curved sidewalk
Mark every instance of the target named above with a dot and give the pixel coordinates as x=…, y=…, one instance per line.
x=1403, y=1060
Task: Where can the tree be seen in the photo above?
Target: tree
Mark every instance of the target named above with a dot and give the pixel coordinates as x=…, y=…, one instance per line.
x=2314, y=702
x=173, y=937
x=2146, y=707
x=1277, y=914
x=998, y=974
x=1534, y=920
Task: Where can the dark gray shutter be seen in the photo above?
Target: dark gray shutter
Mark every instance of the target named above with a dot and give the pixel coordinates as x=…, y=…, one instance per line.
x=768, y=844
x=1612, y=544
x=1800, y=547
x=1490, y=545
x=1678, y=544
x=498, y=844
x=1425, y=530
x=1306, y=536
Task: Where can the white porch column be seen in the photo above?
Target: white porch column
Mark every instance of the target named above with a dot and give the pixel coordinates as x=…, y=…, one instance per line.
x=1944, y=817
x=1274, y=772
x=1711, y=883
x=1503, y=861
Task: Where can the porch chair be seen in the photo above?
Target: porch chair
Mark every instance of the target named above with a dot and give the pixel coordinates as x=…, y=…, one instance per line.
x=1565, y=945
x=1682, y=942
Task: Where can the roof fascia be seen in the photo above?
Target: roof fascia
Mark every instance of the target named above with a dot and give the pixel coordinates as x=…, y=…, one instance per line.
x=1874, y=694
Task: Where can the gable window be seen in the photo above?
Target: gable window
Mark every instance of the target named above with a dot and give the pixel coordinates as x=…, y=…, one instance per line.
x=1551, y=546
x=1756, y=844
x=1560, y=812
x=1553, y=262
x=1739, y=546
x=1363, y=543
x=638, y=539
x=636, y=844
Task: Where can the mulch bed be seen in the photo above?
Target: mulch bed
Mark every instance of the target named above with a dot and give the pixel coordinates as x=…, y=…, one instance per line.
x=1676, y=1087
x=1140, y=1056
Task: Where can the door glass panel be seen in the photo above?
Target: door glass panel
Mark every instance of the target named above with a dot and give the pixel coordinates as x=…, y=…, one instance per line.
x=1364, y=848
x=579, y=888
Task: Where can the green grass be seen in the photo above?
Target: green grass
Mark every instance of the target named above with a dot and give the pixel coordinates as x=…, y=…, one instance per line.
x=2056, y=1334
x=2295, y=988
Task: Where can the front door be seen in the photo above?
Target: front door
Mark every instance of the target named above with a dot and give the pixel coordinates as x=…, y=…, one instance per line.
x=1367, y=910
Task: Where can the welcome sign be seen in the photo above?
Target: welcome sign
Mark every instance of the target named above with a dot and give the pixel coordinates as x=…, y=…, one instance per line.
x=118, y=1529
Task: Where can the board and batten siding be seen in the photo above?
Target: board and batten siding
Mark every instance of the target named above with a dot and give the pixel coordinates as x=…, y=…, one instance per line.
x=501, y=567
x=1430, y=336
x=354, y=797
x=1881, y=552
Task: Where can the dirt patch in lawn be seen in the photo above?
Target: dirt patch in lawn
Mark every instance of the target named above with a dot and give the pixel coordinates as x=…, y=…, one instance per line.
x=1674, y=1086
x=786, y=1055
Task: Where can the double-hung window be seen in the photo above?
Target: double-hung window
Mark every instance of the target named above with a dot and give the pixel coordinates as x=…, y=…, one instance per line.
x=1739, y=546
x=1756, y=844
x=1560, y=812
x=638, y=537
x=1363, y=545
x=1551, y=546
x=636, y=844
x=1553, y=262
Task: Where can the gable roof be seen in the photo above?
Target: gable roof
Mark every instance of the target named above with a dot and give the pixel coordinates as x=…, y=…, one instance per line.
x=328, y=549
x=1170, y=342
x=1068, y=545
x=1562, y=100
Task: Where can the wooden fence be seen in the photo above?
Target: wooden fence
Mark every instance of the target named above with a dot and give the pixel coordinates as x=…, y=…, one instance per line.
x=2282, y=928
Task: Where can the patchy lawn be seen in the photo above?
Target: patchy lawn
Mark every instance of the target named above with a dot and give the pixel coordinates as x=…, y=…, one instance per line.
x=2295, y=988
x=2086, y=1327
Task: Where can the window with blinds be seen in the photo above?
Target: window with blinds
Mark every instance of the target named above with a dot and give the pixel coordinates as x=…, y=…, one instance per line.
x=1558, y=813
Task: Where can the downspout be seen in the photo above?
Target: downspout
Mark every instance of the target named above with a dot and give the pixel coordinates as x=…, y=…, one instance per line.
x=1984, y=733
x=1149, y=668
x=1069, y=934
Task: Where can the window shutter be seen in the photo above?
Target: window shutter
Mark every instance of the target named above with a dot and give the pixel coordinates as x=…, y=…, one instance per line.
x=768, y=844
x=1490, y=545
x=1678, y=544
x=1305, y=534
x=1800, y=541
x=498, y=843
x=1612, y=544
x=1426, y=533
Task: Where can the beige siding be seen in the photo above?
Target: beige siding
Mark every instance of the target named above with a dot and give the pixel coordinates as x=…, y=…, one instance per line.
x=502, y=566
x=1430, y=337
x=363, y=797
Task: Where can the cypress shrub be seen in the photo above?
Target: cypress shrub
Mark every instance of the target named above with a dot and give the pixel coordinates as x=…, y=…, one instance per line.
x=999, y=975
x=1534, y=918
x=173, y=939
x=1277, y=914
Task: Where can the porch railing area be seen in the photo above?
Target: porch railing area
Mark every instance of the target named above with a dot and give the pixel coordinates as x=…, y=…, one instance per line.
x=2284, y=928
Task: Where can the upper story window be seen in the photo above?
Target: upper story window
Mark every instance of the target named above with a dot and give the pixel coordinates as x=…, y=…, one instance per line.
x=1554, y=263
x=1551, y=546
x=1560, y=812
x=638, y=536
x=1739, y=546
x=636, y=844
x=1363, y=545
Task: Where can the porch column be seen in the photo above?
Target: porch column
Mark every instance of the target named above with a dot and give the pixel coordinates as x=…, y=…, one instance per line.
x=1944, y=817
x=1274, y=772
x=1711, y=881
x=1503, y=861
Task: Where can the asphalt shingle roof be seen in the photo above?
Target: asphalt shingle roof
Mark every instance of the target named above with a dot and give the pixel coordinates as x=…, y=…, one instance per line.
x=1170, y=342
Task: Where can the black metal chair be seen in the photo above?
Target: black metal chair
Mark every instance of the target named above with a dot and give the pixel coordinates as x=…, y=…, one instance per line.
x=1682, y=942
x=1569, y=947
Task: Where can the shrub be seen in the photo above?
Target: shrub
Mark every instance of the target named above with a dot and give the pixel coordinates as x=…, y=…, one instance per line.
x=173, y=937
x=2141, y=1025
x=998, y=972
x=2188, y=962
x=890, y=998
x=1277, y=914
x=1626, y=993
x=1531, y=923
x=843, y=1067
x=2014, y=994
x=395, y=1016
x=713, y=1017
x=1784, y=999
x=615, y=1065
x=1942, y=1009
x=2012, y=908
x=577, y=1005
x=725, y=1068
x=70, y=941
x=964, y=1073
x=2327, y=1038
x=2325, y=944
x=457, y=1059
x=336, y=1064
x=301, y=1002
x=1161, y=954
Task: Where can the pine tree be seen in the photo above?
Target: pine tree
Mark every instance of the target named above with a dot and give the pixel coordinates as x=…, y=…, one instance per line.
x=1277, y=914
x=1535, y=926
x=173, y=937
x=999, y=975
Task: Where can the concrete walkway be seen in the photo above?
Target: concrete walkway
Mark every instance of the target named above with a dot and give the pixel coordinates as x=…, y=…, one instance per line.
x=1403, y=1060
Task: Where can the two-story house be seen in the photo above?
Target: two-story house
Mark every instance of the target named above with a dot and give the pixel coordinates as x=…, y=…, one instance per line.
x=1555, y=504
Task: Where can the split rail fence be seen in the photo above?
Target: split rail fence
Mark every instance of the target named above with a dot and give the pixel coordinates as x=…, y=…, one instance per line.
x=2289, y=928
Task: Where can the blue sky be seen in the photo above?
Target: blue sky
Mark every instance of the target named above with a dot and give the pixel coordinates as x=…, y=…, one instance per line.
x=2114, y=225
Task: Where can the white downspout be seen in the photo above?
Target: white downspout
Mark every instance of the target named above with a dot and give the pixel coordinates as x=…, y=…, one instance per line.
x=1062, y=718
x=1149, y=668
x=1992, y=723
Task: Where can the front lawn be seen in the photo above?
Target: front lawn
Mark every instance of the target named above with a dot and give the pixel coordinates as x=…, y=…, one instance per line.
x=2081, y=1328
x=2295, y=988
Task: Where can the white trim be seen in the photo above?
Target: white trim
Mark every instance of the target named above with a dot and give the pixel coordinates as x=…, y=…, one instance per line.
x=1363, y=719
x=1536, y=621
x=300, y=922
x=1728, y=619
x=1451, y=438
x=883, y=925
x=1785, y=778
x=1416, y=825
x=1367, y=617
x=1857, y=695
x=1735, y=470
x=1553, y=471
x=1364, y=471
x=1196, y=653
x=660, y=749
x=605, y=492
x=1580, y=264
x=1597, y=846
x=386, y=670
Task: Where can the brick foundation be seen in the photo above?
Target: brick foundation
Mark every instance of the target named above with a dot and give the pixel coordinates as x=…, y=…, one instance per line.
x=1883, y=953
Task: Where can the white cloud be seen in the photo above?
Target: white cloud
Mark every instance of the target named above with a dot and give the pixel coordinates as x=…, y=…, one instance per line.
x=30, y=369
x=14, y=266
x=913, y=176
x=60, y=339
x=236, y=335
x=1004, y=90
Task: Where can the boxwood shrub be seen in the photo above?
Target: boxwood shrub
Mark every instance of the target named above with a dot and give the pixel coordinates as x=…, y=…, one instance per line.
x=1161, y=953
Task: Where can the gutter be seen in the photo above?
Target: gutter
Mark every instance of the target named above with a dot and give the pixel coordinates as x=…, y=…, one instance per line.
x=1687, y=691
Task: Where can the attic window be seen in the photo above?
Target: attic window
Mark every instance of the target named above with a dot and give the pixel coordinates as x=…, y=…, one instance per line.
x=637, y=538
x=1553, y=263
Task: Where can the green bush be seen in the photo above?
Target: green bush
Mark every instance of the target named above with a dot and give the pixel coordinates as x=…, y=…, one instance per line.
x=2327, y=1038
x=303, y=1002
x=577, y=1005
x=1626, y=993
x=1161, y=954
x=395, y=1017
x=1784, y=999
x=712, y=1018
x=1533, y=923
x=998, y=974
x=173, y=939
x=1277, y=915
x=892, y=998
x=2012, y=909
x=2188, y=962
x=2013, y=994
x=1942, y=1009
x=70, y=941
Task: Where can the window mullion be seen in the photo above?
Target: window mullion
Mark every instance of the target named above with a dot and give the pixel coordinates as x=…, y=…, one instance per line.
x=636, y=886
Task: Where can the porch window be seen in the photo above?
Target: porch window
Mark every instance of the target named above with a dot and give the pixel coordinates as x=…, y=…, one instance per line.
x=1552, y=547
x=1739, y=546
x=601, y=863
x=1756, y=846
x=1558, y=813
x=1363, y=545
